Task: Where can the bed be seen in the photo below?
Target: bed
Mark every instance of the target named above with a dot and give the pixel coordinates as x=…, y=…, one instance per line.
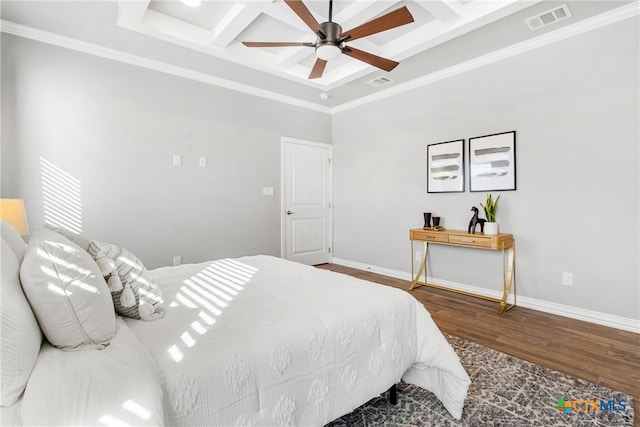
x=254, y=340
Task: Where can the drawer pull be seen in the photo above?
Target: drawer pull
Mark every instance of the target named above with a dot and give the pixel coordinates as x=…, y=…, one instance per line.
x=467, y=240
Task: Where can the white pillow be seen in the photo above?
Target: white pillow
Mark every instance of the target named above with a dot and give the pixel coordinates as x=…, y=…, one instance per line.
x=119, y=385
x=21, y=338
x=67, y=292
x=11, y=236
x=76, y=238
x=138, y=296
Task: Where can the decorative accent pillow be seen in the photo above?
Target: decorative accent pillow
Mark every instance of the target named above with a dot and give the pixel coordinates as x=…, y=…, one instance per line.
x=21, y=336
x=67, y=292
x=76, y=238
x=12, y=238
x=135, y=294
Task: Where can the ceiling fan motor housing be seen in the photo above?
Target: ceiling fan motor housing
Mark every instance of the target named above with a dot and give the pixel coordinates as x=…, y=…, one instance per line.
x=329, y=47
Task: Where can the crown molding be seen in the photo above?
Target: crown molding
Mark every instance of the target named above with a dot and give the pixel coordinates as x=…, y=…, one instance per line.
x=590, y=24
x=24, y=31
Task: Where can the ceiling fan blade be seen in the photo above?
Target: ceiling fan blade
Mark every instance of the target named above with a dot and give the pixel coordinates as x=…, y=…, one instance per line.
x=303, y=13
x=273, y=44
x=318, y=69
x=386, y=22
x=371, y=59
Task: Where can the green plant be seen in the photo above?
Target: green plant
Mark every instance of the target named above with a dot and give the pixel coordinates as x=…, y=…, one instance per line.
x=490, y=208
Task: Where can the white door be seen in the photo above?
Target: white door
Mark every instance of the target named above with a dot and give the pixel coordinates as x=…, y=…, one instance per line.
x=306, y=204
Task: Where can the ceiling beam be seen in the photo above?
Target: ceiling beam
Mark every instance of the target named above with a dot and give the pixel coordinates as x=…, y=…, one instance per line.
x=447, y=11
x=283, y=13
x=161, y=23
x=131, y=12
x=237, y=18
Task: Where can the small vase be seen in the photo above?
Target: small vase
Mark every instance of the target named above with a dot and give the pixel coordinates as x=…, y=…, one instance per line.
x=490, y=228
x=427, y=219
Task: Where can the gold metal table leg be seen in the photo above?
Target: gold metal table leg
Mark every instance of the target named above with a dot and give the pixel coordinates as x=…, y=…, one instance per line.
x=509, y=277
x=423, y=268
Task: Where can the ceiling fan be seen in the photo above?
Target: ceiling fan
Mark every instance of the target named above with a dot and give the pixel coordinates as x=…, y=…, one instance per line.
x=331, y=40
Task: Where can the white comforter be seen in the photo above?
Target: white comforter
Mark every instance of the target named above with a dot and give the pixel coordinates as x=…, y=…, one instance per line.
x=264, y=341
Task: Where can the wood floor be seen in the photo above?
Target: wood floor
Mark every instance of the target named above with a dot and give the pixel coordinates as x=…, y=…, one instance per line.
x=599, y=354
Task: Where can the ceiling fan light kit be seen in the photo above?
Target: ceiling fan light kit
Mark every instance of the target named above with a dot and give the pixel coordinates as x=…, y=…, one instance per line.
x=328, y=52
x=331, y=41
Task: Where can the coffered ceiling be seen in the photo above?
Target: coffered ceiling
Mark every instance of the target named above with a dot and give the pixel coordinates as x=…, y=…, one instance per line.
x=205, y=43
x=218, y=28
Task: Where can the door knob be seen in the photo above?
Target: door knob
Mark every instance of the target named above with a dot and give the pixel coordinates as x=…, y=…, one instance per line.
x=289, y=212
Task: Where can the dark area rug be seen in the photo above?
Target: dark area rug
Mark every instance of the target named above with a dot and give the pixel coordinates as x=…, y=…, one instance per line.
x=504, y=391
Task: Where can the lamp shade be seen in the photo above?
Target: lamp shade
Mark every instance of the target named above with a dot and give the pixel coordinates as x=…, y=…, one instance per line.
x=12, y=211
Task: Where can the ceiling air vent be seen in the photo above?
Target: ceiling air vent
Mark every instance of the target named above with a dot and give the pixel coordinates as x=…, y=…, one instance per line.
x=549, y=17
x=380, y=81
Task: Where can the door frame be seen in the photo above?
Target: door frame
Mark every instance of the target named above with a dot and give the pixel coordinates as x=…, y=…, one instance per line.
x=283, y=189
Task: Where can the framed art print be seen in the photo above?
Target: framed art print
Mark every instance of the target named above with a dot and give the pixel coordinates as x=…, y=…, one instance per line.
x=492, y=162
x=445, y=167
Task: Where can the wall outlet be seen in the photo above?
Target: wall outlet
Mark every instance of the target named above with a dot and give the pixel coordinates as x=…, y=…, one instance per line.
x=202, y=162
x=567, y=279
x=418, y=256
x=177, y=260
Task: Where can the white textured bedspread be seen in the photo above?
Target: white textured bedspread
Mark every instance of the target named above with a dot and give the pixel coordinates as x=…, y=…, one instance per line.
x=264, y=341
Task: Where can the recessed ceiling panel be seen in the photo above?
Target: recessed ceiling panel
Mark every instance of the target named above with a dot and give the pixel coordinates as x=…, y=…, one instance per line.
x=265, y=28
x=207, y=16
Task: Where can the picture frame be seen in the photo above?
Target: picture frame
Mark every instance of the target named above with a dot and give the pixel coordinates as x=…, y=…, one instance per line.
x=445, y=167
x=492, y=162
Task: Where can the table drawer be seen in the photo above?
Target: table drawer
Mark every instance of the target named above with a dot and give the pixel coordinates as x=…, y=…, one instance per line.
x=480, y=241
x=430, y=236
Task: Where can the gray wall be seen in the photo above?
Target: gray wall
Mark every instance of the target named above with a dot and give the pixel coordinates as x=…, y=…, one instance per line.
x=115, y=127
x=574, y=105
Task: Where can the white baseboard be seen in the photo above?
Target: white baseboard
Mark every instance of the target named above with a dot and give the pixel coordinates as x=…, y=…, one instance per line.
x=605, y=319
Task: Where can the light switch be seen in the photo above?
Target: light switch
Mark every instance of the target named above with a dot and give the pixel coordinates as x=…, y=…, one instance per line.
x=267, y=191
x=202, y=162
x=177, y=160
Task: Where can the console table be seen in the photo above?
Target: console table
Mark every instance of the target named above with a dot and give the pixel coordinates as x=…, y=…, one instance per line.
x=497, y=242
